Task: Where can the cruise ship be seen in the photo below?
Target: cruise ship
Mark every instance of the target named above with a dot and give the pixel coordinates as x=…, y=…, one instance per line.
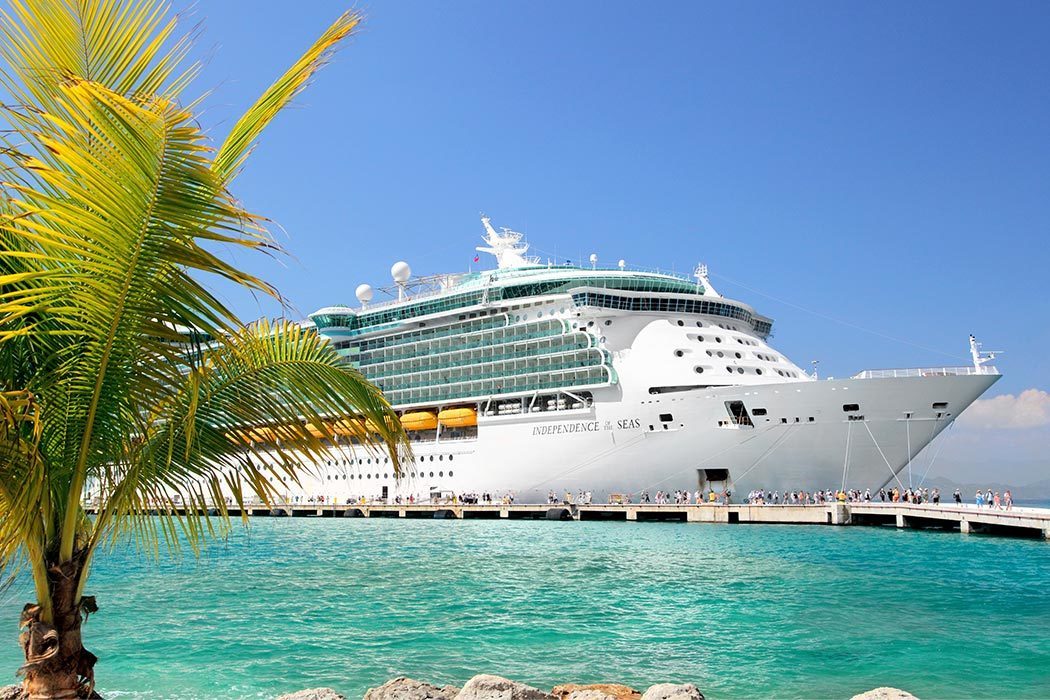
x=532, y=377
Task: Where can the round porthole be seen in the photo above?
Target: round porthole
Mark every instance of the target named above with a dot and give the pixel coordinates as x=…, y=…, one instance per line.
x=717, y=339
x=758, y=371
x=698, y=370
x=681, y=323
x=738, y=356
x=699, y=325
x=368, y=476
x=740, y=370
x=431, y=474
x=450, y=473
x=729, y=369
x=608, y=323
x=441, y=473
x=679, y=353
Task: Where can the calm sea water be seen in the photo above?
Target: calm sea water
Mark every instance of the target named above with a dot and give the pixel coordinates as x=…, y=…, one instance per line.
x=742, y=611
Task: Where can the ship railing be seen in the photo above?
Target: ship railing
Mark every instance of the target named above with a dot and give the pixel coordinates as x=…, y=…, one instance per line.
x=925, y=372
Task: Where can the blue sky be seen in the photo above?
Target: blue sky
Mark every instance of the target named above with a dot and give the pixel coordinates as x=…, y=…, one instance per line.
x=882, y=164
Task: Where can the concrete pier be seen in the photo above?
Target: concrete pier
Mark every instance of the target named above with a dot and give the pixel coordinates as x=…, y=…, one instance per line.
x=1028, y=522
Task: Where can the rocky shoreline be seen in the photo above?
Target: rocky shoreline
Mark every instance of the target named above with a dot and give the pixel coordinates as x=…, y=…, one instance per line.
x=488, y=687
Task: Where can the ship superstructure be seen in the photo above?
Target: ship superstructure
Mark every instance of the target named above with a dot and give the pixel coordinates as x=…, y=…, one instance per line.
x=532, y=377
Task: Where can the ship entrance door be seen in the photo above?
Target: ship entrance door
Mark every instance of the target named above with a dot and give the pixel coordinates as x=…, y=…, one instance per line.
x=716, y=480
x=386, y=493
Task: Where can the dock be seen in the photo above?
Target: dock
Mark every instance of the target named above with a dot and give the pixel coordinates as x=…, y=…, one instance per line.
x=965, y=519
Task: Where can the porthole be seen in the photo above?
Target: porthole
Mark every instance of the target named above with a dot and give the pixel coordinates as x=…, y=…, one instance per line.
x=758, y=371
x=441, y=458
x=699, y=324
x=681, y=322
x=710, y=353
x=729, y=369
x=450, y=473
x=385, y=476
x=431, y=459
x=441, y=473
x=368, y=476
x=351, y=477
x=539, y=314
x=608, y=322
x=718, y=339
x=679, y=353
x=721, y=354
x=740, y=370
x=738, y=355
x=698, y=370
x=431, y=474
x=699, y=338
x=450, y=459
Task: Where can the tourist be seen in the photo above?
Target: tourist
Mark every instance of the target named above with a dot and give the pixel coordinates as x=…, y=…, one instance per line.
x=979, y=498
x=1008, y=500
x=958, y=497
x=996, y=502
x=988, y=498
x=936, y=495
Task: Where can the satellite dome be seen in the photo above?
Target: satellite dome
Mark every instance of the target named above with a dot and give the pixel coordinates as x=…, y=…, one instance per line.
x=364, y=293
x=400, y=271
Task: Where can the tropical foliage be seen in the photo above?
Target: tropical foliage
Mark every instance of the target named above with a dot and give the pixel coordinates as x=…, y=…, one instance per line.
x=123, y=379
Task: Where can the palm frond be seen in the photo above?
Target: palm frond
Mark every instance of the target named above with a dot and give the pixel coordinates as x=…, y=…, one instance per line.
x=238, y=144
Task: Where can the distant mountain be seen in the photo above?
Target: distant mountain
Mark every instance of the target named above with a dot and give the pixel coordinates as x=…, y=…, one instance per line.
x=1038, y=490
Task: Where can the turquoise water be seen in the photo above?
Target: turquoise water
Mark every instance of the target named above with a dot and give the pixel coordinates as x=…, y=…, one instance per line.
x=742, y=611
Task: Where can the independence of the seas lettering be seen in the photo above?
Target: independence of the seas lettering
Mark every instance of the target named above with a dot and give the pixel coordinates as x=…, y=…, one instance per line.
x=590, y=426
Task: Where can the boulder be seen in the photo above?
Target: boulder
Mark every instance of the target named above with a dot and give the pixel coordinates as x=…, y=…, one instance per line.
x=313, y=694
x=486, y=687
x=11, y=692
x=885, y=693
x=592, y=691
x=408, y=689
x=673, y=691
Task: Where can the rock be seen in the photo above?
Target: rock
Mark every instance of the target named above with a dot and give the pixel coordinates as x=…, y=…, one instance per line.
x=672, y=691
x=408, y=689
x=486, y=687
x=313, y=694
x=11, y=692
x=885, y=693
x=595, y=691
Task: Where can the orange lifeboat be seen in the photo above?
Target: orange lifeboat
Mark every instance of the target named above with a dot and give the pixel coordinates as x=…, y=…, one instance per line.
x=419, y=420
x=348, y=427
x=254, y=436
x=458, y=417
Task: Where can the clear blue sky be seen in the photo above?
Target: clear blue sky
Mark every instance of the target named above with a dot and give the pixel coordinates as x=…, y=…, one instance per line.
x=885, y=164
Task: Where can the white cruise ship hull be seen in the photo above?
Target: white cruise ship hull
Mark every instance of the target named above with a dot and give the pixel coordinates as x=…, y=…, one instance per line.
x=805, y=440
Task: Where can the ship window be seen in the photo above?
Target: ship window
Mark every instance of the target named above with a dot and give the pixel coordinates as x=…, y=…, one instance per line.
x=738, y=413
x=738, y=355
x=666, y=417
x=681, y=322
x=450, y=459
x=450, y=473
x=441, y=458
x=385, y=476
x=699, y=370
x=740, y=370
x=847, y=407
x=729, y=369
x=608, y=323
x=758, y=411
x=938, y=405
x=721, y=354
x=431, y=473
x=699, y=338
x=717, y=339
x=678, y=353
x=368, y=476
x=699, y=324
x=441, y=473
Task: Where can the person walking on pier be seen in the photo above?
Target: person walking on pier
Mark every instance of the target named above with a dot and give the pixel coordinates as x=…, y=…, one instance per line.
x=958, y=497
x=979, y=499
x=1008, y=500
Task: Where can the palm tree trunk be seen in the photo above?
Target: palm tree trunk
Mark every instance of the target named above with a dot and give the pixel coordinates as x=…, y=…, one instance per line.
x=57, y=666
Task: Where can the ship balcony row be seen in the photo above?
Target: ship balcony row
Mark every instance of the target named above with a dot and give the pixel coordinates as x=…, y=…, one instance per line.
x=481, y=389
x=497, y=336
x=409, y=337
x=491, y=353
x=494, y=370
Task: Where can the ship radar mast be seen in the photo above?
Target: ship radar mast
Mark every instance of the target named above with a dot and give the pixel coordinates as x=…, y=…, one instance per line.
x=703, y=282
x=506, y=246
x=981, y=357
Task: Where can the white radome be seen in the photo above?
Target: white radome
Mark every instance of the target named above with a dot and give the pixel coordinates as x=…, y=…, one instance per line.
x=364, y=293
x=400, y=271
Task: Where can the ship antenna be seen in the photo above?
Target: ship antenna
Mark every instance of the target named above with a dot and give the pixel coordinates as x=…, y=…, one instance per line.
x=815, y=363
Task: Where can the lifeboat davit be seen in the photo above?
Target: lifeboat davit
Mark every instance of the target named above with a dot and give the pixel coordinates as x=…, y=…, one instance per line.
x=419, y=420
x=458, y=417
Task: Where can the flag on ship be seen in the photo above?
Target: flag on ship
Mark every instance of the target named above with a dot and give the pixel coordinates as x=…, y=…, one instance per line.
x=477, y=258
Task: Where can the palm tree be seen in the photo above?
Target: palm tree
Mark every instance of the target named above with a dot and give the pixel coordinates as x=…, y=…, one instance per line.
x=122, y=375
